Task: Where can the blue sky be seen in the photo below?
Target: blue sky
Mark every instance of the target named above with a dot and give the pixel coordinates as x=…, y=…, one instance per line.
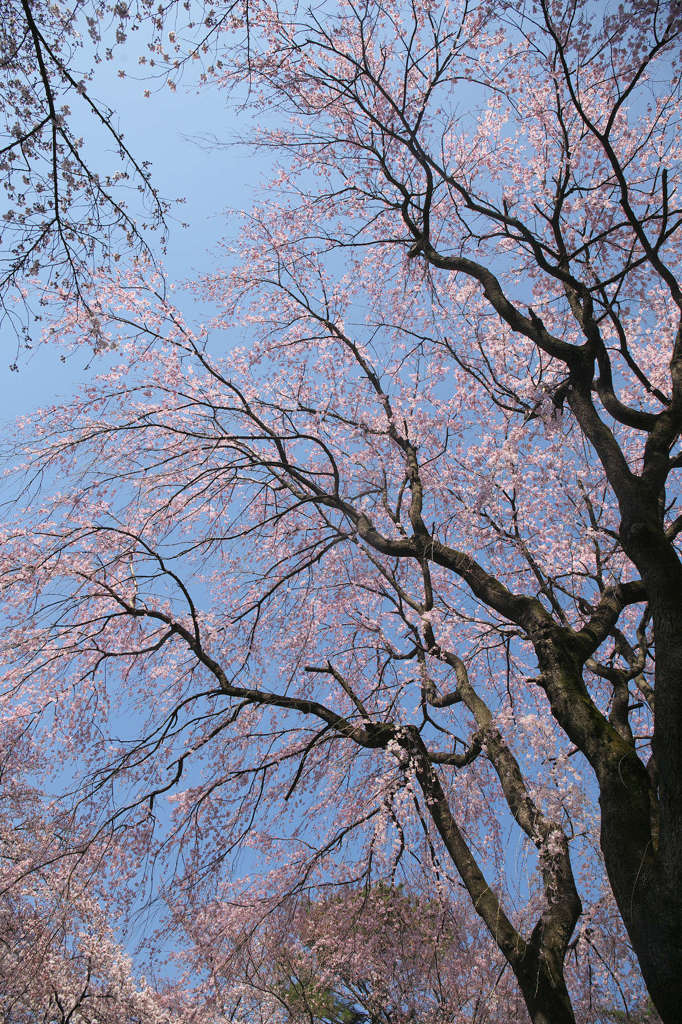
x=163, y=129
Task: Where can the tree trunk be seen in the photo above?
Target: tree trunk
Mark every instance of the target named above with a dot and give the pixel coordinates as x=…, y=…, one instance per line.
x=659, y=946
x=649, y=891
x=537, y=964
x=544, y=991
x=651, y=909
x=640, y=830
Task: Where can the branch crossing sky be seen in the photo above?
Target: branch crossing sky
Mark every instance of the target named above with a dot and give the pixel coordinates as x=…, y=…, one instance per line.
x=167, y=129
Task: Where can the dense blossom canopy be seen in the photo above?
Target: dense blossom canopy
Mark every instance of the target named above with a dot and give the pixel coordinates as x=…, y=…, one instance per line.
x=372, y=579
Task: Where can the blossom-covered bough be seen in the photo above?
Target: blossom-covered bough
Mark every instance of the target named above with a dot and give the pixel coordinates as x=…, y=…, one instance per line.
x=60, y=961
x=396, y=577
x=74, y=195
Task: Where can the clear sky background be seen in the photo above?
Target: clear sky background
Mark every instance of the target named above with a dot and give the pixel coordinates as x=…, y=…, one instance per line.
x=164, y=129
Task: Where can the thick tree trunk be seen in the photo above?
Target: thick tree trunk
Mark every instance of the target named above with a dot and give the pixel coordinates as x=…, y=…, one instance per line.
x=658, y=925
x=667, y=619
x=544, y=991
x=648, y=886
x=642, y=819
x=640, y=832
x=651, y=909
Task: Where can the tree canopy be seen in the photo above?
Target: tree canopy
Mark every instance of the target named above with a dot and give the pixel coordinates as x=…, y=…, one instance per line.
x=375, y=570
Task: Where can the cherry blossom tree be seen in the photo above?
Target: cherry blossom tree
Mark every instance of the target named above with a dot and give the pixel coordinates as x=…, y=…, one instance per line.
x=63, y=965
x=62, y=212
x=397, y=576
x=382, y=954
x=72, y=204
x=60, y=962
x=378, y=955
